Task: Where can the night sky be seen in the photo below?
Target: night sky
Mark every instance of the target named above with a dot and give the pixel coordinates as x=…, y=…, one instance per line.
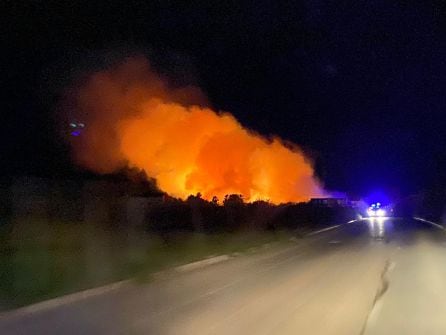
x=359, y=84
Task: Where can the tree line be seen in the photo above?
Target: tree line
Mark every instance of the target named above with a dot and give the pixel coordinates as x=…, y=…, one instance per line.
x=234, y=214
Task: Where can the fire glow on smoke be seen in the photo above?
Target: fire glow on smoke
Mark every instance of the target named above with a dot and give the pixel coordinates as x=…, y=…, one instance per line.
x=135, y=119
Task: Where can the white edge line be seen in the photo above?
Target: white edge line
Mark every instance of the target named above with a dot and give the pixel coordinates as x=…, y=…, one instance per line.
x=85, y=294
x=64, y=300
x=78, y=296
x=202, y=263
x=430, y=222
x=374, y=314
x=322, y=230
x=330, y=228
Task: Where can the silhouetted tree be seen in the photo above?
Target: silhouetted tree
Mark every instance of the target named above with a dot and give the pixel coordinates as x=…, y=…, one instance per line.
x=235, y=211
x=197, y=205
x=197, y=214
x=170, y=216
x=259, y=214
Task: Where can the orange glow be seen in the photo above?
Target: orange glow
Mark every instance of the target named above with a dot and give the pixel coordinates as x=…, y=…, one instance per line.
x=133, y=118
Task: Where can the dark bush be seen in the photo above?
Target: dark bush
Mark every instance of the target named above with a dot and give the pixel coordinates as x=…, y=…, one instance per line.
x=199, y=215
x=170, y=216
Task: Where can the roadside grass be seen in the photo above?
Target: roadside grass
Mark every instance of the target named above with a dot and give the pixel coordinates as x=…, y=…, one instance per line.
x=41, y=260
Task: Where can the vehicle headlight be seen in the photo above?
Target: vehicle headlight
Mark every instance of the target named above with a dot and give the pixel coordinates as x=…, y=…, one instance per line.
x=380, y=212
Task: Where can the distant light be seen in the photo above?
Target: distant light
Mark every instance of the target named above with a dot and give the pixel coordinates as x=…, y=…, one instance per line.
x=380, y=212
x=378, y=204
x=77, y=125
x=75, y=133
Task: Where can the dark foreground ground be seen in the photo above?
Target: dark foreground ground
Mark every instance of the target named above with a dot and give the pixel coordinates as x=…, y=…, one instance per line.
x=388, y=277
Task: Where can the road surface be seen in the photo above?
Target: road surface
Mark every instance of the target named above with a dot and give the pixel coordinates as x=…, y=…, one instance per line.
x=388, y=277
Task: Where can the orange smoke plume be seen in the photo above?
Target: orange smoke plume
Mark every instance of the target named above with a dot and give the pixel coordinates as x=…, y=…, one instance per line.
x=134, y=118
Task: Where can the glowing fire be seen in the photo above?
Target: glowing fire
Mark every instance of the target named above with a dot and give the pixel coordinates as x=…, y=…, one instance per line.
x=133, y=118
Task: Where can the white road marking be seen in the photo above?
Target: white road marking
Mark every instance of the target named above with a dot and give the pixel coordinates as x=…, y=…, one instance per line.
x=82, y=295
x=430, y=222
x=330, y=228
x=202, y=263
x=392, y=266
x=322, y=230
x=64, y=300
x=373, y=316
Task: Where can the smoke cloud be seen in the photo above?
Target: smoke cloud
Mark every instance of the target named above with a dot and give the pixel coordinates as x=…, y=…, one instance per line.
x=133, y=118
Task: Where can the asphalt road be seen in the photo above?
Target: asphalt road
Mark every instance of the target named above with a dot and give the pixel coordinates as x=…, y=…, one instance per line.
x=385, y=278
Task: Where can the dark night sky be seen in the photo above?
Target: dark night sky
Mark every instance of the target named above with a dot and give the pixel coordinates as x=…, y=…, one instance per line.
x=361, y=84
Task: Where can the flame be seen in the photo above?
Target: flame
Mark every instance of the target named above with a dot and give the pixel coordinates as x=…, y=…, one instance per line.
x=133, y=118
